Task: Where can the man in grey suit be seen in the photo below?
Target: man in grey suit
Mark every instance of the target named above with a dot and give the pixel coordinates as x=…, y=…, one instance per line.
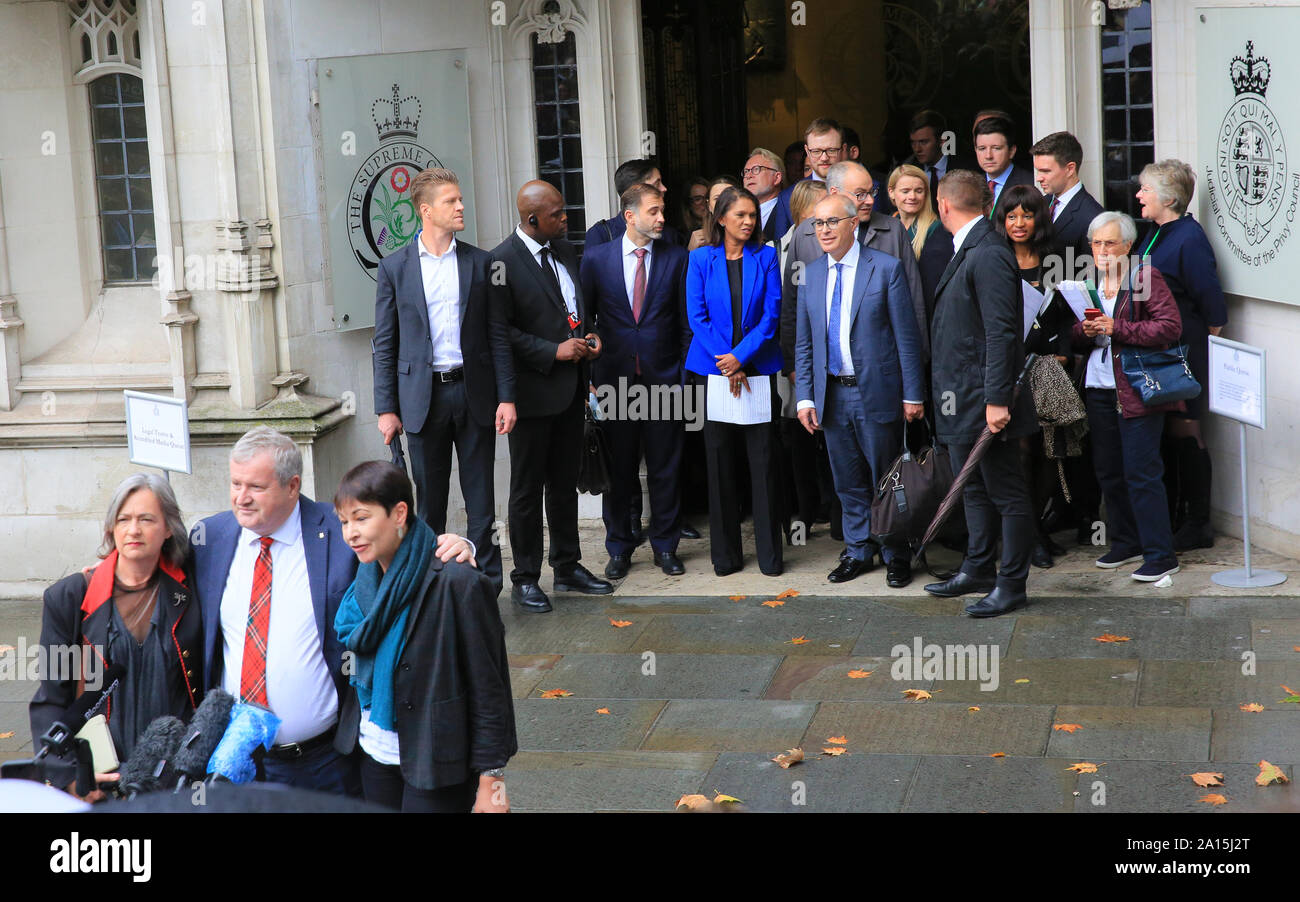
x=875, y=230
x=444, y=373
x=858, y=372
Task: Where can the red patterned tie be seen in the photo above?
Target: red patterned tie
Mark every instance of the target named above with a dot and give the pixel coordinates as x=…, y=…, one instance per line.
x=1051, y=214
x=993, y=187
x=252, y=675
x=638, y=293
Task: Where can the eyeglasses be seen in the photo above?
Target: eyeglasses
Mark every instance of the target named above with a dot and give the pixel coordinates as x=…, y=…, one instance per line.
x=1107, y=245
x=861, y=194
x=819, y=224
x=822, y=151
x=755, y=170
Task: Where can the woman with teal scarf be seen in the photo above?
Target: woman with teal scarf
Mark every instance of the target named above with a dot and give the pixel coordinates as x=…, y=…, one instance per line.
x=432, y=710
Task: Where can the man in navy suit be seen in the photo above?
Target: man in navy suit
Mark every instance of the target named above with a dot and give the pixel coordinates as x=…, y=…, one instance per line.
x=635, y=288
x=824, y=145
x=270, y=574
x=444, y=373
x=925, y=132
x=995, y=148
x=859, y=370
x=629, y=173
x=1057, y=159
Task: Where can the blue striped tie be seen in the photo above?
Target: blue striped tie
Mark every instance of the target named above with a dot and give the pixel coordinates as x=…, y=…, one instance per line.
x=835, y=361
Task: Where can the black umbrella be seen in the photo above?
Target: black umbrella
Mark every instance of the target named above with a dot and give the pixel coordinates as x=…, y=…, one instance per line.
x=972, y=461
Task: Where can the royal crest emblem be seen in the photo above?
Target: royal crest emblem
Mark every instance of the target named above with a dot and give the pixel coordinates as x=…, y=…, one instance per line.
x=1251, y=154
x=381, y=210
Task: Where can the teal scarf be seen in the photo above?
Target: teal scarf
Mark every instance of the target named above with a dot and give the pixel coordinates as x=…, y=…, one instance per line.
x=371, y=621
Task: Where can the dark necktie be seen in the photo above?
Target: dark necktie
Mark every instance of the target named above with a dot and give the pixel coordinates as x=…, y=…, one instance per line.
x=1051, y=214
x=638, y=293
x=934, y=183
x=252, y=672
x=552, y=278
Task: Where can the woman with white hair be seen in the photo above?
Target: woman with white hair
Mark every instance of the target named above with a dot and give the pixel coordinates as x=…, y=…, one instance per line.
x=1137, y=310
x=1176, y=245
x=136, y=609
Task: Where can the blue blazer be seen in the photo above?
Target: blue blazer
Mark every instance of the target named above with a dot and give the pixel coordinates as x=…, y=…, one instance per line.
x=331, y=567
x=661, y=336
x=884, y=339
x=708, y=309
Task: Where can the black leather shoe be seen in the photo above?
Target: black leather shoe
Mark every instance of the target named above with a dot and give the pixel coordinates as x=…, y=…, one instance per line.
x=530, y=598
x=1000, y=601
x=1041, y=558
x=725, y=571
x=898, y=572
x=670, y=563
x=960, y=584
x=580, y=579
x=618, y=566
x=849, y=568
x=689, y=532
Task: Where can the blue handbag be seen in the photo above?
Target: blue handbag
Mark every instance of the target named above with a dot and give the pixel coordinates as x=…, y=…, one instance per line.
x=1159, y=376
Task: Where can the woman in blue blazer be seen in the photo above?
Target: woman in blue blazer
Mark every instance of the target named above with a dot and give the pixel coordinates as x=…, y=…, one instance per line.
x=733, y=304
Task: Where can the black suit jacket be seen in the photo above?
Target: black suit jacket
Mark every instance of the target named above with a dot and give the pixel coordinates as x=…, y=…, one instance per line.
x=976, y=339
x=403, y=347
x=1072, y=228
x=661, y=337
x=455, y=716
x=532, y=315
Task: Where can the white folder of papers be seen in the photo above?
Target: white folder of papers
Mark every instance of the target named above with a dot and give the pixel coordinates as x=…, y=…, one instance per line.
x=752, y=407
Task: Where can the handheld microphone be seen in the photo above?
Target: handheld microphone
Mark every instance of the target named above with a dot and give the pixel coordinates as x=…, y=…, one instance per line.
x=202, y=737
x=252, y=727
x=149, y=767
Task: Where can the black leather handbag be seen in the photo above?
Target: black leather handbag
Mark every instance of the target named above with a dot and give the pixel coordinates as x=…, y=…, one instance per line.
x=910, y=492
x=593, y=470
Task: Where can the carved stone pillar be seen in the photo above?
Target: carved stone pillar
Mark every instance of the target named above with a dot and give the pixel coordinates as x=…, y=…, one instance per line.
x=245, y=274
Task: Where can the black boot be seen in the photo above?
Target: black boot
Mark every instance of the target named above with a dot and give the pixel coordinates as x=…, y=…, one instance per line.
x=1196, y=531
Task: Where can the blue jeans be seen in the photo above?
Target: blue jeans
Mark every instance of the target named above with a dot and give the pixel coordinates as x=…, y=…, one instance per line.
x=1126, y=456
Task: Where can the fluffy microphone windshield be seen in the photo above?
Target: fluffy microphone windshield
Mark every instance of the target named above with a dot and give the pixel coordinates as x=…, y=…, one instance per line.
x=203, y=734
x=148, y=768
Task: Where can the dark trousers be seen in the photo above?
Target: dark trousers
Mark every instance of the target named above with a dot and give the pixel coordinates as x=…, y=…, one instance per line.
x=1126, y=454
x=660, y=440
x=450, y=423
x=383, y=785
x=860, y=452
x=545, y=453
x=321, y=769
x=997, y=504
x=721, y=441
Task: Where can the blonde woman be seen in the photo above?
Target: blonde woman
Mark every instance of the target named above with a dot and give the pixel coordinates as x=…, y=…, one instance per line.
x=909, y=191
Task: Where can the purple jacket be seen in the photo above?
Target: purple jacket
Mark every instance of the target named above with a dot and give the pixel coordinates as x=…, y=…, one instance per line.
x=1157, y=324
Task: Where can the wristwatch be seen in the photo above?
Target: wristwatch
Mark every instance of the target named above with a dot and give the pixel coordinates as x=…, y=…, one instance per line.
x=494, y=772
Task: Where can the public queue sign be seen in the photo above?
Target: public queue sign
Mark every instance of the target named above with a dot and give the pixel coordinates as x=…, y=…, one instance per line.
x=158, y=431
x=1238, y=390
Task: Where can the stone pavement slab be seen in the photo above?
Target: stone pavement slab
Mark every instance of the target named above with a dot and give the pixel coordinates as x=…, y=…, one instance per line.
x=984, y=784
x=526, y=671
x=1137, y=786
x=1050, y=682
x=13, y=719
x=828, y=678
x=885, y=631
x=1242, y=736
x=1275, y=639
x=573, y=724
x=1150, y=733
x=604, y=781
x=675, y=676
x=850, y=782
x=688, y=725
x=1280, y=606
x=556, y=633
x=751, y=629
x=1218, y=684
x=930, y=728
x=1151, y=638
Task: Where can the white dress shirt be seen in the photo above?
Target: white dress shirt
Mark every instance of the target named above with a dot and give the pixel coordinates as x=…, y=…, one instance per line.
x=850, y=261
x=1101, y=371
x=441, y=276
x=1064, y=200
x=567, y=291
x=961, y=235
x=299, y=687
x=629, y=266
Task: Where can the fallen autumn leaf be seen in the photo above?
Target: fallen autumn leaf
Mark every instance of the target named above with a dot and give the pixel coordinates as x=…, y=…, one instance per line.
x=788, y=593
x=860, y=674
x=1205, y=778
x=1084, y=767
x=998, y=755
x=800, y=640
x=1066, y=727
x=1110, y=637
x=788, y=757
x=919, y=695
x=739, y=597
x=602, y=710
x=773, y=604
x=834, y=751
x=692, y=801
x=720, y=799
x=556, y=693
x=973, y=708
x=1213, y=798
x=838, y=740
x=1270, y=773
x=1252, y=707
x=9, y=735
x=619, y=624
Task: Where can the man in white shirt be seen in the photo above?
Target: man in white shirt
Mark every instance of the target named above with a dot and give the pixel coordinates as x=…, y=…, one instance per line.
x=1057, y=159
x=763, y=177
x=859, y=371
x=270, y=575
